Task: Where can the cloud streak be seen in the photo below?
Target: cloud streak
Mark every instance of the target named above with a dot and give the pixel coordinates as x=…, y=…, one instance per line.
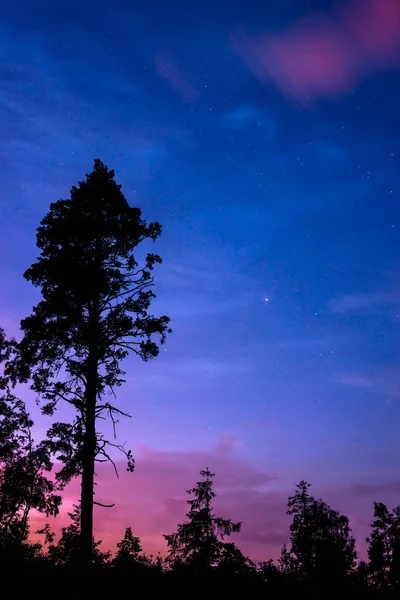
x=245, y=117
x=370, y=303
x=381, y=381
x=167, y=69
x=375, y=490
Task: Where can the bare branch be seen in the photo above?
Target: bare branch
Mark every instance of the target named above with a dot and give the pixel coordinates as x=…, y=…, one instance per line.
x=103, y=505
x=108, y=459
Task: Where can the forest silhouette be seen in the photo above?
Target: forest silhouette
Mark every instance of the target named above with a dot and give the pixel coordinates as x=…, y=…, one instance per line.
x=94, y=311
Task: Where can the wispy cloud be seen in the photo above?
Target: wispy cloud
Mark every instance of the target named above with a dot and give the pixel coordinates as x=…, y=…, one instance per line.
x=329, y=152
x=226, y=444
x=375, y=490
x=358, y=381
x=167, y=68
x=202, y=284
x=384, y=382
x=387, y=301
x=246, y=116
x=51, y=125
x=304, y=343
x=178, y=372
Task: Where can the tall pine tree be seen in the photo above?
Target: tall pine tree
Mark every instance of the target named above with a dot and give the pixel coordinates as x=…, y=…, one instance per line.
x=94, y=311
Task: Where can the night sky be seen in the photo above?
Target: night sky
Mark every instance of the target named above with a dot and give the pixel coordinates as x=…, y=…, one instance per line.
x=264, y=136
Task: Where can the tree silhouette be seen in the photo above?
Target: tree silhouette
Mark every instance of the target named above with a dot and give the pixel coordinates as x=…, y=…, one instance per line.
x=67, y=551
x=23, y=466
x=130, y=551
x=288, y=564
x=322, y=547
x=232, y=561
x=23, y=483
x=384, y=546
x=94, y=311
x=199, y=542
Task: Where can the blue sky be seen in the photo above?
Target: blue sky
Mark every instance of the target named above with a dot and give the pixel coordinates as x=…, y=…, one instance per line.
x=269, y=184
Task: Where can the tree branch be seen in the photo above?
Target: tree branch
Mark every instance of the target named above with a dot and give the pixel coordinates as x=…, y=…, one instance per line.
x=103, y=505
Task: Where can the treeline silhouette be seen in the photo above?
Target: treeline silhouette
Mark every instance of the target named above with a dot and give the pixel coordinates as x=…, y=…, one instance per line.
x=94, y=311
x=320, y=562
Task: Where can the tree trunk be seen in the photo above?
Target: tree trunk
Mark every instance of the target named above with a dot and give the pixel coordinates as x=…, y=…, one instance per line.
x=89, y=450
x=89, y=444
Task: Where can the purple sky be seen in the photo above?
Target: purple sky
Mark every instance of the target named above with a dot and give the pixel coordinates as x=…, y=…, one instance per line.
x=263, y=140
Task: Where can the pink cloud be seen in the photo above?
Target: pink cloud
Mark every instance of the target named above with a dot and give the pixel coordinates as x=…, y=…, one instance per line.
x=326, y=56
x=152, y=500
x=166, y=68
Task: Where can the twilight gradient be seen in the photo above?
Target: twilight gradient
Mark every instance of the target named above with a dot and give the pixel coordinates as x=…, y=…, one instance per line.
x=263, y=137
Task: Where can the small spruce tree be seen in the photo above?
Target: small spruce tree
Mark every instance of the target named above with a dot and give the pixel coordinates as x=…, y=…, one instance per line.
x=199, y=543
